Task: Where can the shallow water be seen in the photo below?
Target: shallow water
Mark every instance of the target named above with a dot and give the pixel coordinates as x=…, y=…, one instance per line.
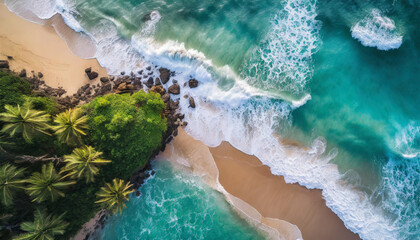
x=342, y=77
x=176, y=205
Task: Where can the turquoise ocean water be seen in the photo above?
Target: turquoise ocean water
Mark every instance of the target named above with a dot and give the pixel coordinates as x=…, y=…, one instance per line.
x=342, y=77
x=177, y=205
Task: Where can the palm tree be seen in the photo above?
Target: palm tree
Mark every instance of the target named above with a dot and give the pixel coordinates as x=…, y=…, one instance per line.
x=113, y=197
x=10, y=182
x=44, y=227
x=48, y=184
x=84, y=163
x=24, y=120
x=70, y=126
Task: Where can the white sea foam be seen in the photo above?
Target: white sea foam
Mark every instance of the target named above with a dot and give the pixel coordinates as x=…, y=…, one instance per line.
x=407, y=140
x=246, y=116
x=376, y=30
x=283, y=59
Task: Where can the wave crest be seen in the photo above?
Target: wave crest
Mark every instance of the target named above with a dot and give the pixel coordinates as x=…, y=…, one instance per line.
x=376, y=30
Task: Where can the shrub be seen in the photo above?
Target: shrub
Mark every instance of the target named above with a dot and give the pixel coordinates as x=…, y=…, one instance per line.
x=12, y=90
x=127, y=129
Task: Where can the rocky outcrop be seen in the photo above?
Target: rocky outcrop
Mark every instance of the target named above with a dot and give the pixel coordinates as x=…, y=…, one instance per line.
x=174, y=89
x=193, y=83
x=92, y=75
x=4, y=64
x=165, y=74
x=22, y=73
x=192, y=102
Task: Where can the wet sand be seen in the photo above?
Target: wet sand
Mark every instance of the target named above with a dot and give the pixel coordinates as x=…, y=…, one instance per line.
x=245, y=177
x=248, y=185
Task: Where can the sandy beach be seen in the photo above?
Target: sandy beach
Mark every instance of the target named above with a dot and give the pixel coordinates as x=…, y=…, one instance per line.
x=246, y=178
x=291, y=209
x=39, y=48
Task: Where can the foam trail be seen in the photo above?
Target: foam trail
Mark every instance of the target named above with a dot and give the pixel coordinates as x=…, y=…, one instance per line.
x=376, y=30
x=283, y=59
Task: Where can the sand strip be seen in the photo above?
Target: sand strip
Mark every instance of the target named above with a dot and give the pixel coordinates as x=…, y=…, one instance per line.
x=253, y=190
x=38, y=48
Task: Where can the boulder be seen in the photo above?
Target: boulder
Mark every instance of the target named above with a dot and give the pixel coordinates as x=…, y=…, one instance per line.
x=92, y=75
x=165, y=74
x=4, y=64
x=158, y=89
x=122, y=73
x=157, y=82
x=40, y=75
x=88, y=70
x=193, y=83
x=149, y=68
x=174, y=89
x=10, y=57
x=104, y=80
x=22, y=73
x=166, y=97
x=192, y=102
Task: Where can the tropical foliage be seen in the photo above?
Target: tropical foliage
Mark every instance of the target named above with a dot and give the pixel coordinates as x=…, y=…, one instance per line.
x=113, y=196
x=10, y=182
x=127, y=129
x=12, y=90
x=70, y=126
x=84, y=163
x=47, y=184
x=24, y=120
x=44, y=227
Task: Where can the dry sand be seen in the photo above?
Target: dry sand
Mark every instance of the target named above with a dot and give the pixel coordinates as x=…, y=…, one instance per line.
x=250, y=187
x=39, y=48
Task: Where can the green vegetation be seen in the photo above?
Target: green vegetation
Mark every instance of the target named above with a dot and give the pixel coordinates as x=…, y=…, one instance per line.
x=113, y=196
x=70, y=126
x=84, y=163
x=47, y=185
x=24, y=120
x=127, y=129
x=44, y=227
x=12, y=90
x=42, y=151
x=10, y=182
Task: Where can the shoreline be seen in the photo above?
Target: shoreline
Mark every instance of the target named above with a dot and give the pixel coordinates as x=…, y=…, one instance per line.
x=248, y=185
x=39, y=48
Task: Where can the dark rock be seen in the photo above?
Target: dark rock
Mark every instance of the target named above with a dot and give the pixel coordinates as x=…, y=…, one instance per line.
x=149, y=68
x=193, y=83
x=185, y=96
x=88, y=70
x=192, y=102
x=138, y=193
x=174, y=89
x=165, y=74
x=104, y=80
x=173, y=104
x=157, y=82
x=140, y=72
x=166, y=97
x=158, y=89
x=185, y=84
x=150, y=73
x=4, y=64
x=40, y=75
x=10, y=57
x=175, y=132
x=122, y=73
x=174, y=81
x=22, y=73
x=92, y=75
x=184, y=124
